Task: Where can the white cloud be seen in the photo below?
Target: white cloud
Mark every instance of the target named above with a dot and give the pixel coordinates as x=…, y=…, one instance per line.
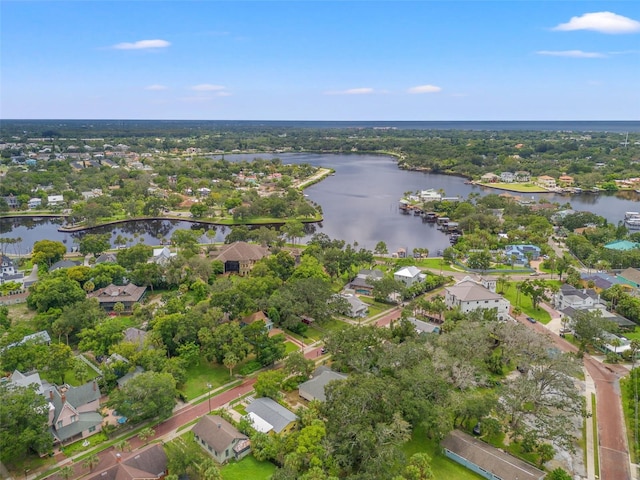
x=352, y=91
x=142, y=45
x=424, y=89
x=196, y=99
x=603, y=22
x=207, y=87
x=156, y=87
x=571, y=53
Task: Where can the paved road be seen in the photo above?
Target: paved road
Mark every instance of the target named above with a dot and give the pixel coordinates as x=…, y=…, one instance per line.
x=612, y=441
x=165, y=430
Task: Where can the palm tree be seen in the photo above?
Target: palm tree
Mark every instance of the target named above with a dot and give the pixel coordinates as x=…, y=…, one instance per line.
x=66, y=472
x=146, y=433
x=91, y=462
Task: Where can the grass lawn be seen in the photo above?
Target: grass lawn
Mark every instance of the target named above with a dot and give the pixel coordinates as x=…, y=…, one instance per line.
x=635, y=335
x=291, y=347
x=199, y=375
x=516, y=187
x=248, y=467
x=525, y=305
x=375, y=308
x=435, y=265
x=441, y=466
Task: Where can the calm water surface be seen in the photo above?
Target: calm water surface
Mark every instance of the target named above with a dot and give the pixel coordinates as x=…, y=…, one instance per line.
x=360, y=204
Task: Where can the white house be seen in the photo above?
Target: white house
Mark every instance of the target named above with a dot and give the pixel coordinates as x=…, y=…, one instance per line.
x=55, y=200
x=409, y=275
x=162, y=256
x=507, y=177
x=8, y=271
x=469, y=295
x=577, y=298
x=34, y=202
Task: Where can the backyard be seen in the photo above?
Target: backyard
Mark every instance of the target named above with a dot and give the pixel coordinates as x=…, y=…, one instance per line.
x=246, y=468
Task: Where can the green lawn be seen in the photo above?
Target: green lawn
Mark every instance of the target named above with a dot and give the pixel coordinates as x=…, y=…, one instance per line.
x=375, y=308
x=516, y=187
x=199, y=375
x=248, y=468
x=525, y=305
x=291, y=347
x=635, y=335
x=435, y=265
x=441, y=466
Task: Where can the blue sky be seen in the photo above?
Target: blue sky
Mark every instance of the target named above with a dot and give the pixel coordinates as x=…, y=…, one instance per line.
x=321, y=60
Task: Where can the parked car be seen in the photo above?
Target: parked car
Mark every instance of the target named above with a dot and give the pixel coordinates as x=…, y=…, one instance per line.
x=477, y=430
x=323, y=350
x=531, y=319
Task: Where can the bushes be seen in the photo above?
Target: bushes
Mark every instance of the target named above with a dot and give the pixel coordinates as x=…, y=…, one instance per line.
x=250, y=367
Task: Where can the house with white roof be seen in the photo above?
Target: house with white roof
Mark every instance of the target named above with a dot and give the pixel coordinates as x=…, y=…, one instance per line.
x=409, y=275
x=268, y=415
x=469, y=295
x=162, y=256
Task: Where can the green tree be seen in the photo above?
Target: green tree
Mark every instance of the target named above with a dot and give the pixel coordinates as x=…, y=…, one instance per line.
x=268, y=384
x=94, y=244
x=48, y=252
x=198, y=210
x=558, y=474
x=54, y=292
x=145, y=396
x=146, y=434
x=546, y=452
x=230, y=361
x=381, y=248
x=66, y=472
x=91, y=462
x=24, y=419
x=296, y=364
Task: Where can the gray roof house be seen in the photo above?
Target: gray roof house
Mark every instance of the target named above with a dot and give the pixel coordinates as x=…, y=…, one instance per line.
x=63, y=264
x=220, y=439
x=486, y=460
x=74, y=411
x=357, y=308
x=267, y=415
x=423, y=327
x=362, y=283
x=313, y=389
x=570, y=296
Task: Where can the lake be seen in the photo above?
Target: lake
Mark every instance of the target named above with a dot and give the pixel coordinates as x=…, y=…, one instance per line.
x=359, y=203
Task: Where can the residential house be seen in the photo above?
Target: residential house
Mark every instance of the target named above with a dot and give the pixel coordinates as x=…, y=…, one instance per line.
x=362, y=283
x=8, y=271
x=409, y=275
x=313, y=389
x=220, y=439
x=63, y=264
x=522, y=176
x=106, y=258
x=257, y=317
x=12, y=201
x=162, y=256
x=423, y=327
x=545, y=181
x=128, y=295
x=622, y=245
x=630, y=276
x=41, y=337
x=568, y=314
x=55, y=200
x=566, y=180
x=147, y=463
x=135, y=335
x=31, y=379
x=487, y=461
x=267, y=415
x=240, y=257
x=507, y=177
x=123, y=380
x=600, y=280
x=74, y=412
x=469, y=295
x=577, y=298
x=521, y=254
x=357, y=308
x=490, y=178
x=34, y=202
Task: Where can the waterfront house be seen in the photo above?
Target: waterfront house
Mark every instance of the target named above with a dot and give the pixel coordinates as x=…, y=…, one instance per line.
x=128, y=295
x=240, y=257
x=12, y=202
x=487, y=461
x=522, y=176
x=162, y=256
x=489, y=178
x=507, y=177
x=267, y=416
x=313, y=389
x=55, y=200
x=566, y=180
x=469, y=295
x=409, y=275
x=220, y=439
x=34, y=202
x=545, y=181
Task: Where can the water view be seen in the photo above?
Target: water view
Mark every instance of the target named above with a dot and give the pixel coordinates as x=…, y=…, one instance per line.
x=360, y=204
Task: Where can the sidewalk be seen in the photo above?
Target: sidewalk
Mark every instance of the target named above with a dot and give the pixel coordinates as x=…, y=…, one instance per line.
x=590, y=445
